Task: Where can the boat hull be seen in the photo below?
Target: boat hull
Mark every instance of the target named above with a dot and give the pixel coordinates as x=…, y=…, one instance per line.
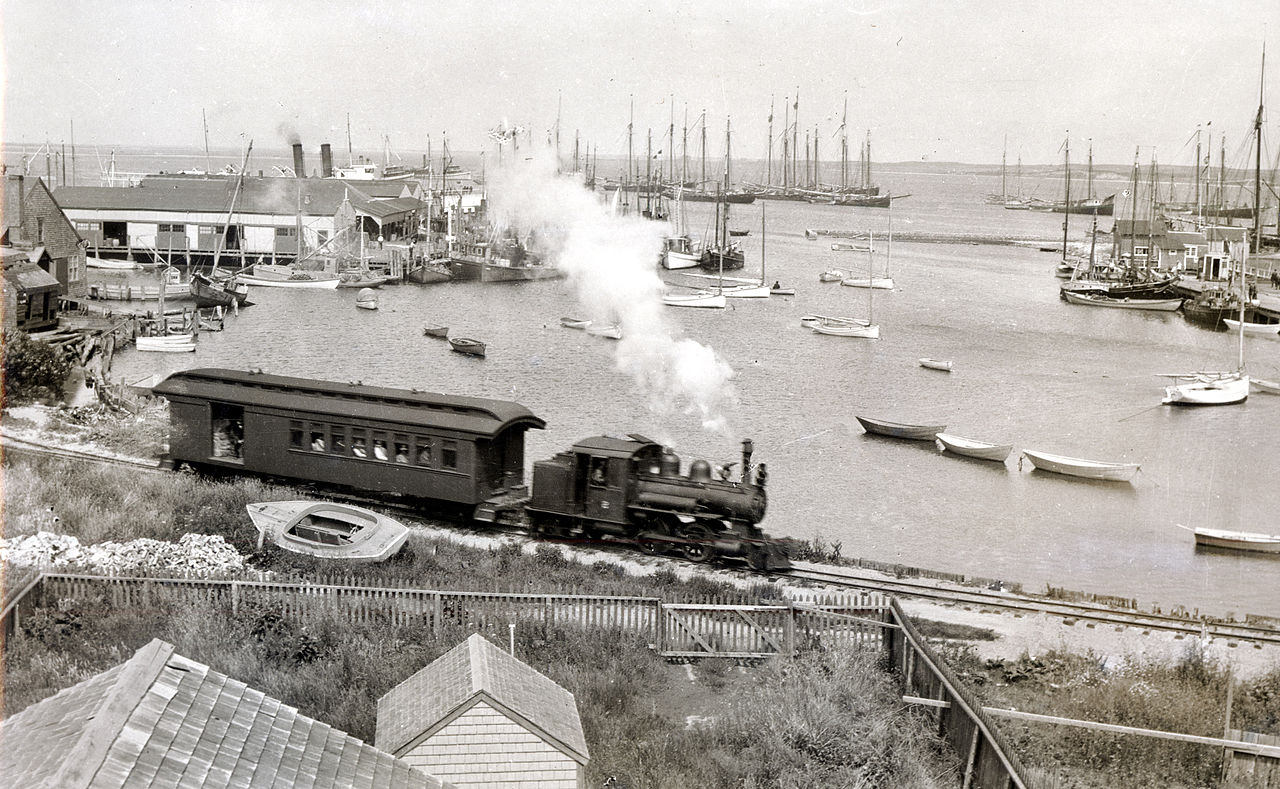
x=1220, y=391
x=900, y=430
x=435, y=331
x=1238, y=540
x=936, y=364
x=970, y=448
x=674, y=261
x=467, y=346
x=1100, y=300
x=865, y=332
x=879, y=283
x=327, y=530
x=713, y=301
x=1079, y=467
x=1256, y=329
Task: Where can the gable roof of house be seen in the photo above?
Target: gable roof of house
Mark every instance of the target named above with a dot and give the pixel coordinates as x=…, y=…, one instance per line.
x=20, y=268
x=212, y=194
x=161, y=720
x=477, y=667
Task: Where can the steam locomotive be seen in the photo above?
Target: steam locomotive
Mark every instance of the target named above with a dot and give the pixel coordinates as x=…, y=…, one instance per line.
x=465, y=455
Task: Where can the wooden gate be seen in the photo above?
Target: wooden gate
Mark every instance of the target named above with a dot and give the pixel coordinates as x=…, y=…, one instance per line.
x=699, y=630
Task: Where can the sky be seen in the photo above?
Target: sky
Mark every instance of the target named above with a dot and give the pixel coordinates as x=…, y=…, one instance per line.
x=928, y=80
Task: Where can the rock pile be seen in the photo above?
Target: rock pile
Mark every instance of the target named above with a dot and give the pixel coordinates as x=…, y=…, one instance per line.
x=194, y=553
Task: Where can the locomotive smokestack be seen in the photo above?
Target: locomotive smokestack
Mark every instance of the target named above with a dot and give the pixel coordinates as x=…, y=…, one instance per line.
x=747, y=448
x=297, y=160
x=326, y=161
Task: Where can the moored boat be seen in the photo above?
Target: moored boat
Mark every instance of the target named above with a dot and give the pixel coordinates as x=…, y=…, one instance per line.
x=814, y=321
x=436, y=331
x=778, y=290
x=834, y=275
x=110, y=265
x=288, y=277
x=881, y=427
x=467, y=345
x=972, y=448
x=1226, y=388
x=1102, y=300
x=171, y=343
x=367, y=299
x=879, y=283
x=610, y=330
x=327, y=530
x=1271, y=387
x=702, y=298
x=747, y=292
x=1238, y=540
x=209, y=292
x=1257, y=329
x=865, y=331
x=574, y=323
x=936, y=364
x=1080, y=467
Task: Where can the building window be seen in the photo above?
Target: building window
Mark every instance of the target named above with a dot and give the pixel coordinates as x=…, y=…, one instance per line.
x=286, y=232
x=40, y=230
x=1139, y=251
x=171, y=228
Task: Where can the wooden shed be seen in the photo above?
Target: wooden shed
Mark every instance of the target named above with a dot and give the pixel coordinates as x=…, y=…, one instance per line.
x=161, y=721
x=479, y=717
x=30, y=291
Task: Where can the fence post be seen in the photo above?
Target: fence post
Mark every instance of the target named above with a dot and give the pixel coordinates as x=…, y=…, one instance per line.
x=235, y=598
x=972, y=759
x=791, y=630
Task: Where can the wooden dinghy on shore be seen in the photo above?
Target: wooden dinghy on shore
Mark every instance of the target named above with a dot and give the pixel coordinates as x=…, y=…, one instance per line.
x=881, y=427
x=972, y=448
x=327, y=530
x=1079, y=467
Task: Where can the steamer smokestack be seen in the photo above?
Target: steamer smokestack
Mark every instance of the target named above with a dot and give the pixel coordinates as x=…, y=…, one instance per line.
x=326, y=160
x=297, y=160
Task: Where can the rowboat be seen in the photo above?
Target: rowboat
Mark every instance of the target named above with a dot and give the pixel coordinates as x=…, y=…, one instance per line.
x=111, y=265
x=1102, y=300
x=970, y=448
x=367, y=299
x=879, y=283
x=172, y=343
x=703, y=298
x=1263, y=385
x=779, y=291
x=574, y=323
x=326, y=530
x=435, y=331
x=274, y=277
x=834, y=275
x=467, y=345
x=900, y=430
x=611, y=330
x=936, y=364
x=1238, y=540
x=1079, y=467
x=814, y=321
x=1260, y=329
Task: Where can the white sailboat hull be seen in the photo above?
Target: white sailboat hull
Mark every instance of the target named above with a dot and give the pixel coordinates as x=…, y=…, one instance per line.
x=1205, y=391
x=713, y=301
x=1238, y=540
x=879, y=283
x=674, y=261
x=748, y=292
x=871, y=332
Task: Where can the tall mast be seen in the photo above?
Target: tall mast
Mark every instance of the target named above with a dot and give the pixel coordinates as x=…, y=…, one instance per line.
x=208, y=165
x=768, y=178
x=559, y=102
x=702, y=184
x=1257, y=170
x=807, y=181
x=1197, y=172
x=1066, y=205
x=786, y=127
x=727, y=156
x=795, y=136
x=684, y=148
x=1222, y=173
x=1089, y=192
x=350, y=159
x=73, y=157
x=648, y=175
x=630, y=120
x=671, y=139
x=844, y=145
x=817, y=180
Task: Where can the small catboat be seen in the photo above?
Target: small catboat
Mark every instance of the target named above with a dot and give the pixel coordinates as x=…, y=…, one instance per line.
x=367, y=299
x=1263, y=385
x=436, y=331
x=739, y=233
x=1238, y=540
x=866, y=331
x=970, y=448
x=574, y=323
x=899, y=430
x=814, y=321
x=611, y=330
x=879, y=283
x=327, y=530
x=936, y=364
x=747, y=292
x=467, y=345
x=1079, y=467
x=703, y=298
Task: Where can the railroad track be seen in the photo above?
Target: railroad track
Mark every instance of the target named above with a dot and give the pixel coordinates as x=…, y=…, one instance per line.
x=847, y=578
x=1088, y=612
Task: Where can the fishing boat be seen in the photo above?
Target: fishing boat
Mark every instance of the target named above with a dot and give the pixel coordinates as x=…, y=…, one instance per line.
x=269, y=276
x=1102, y=300
x=367, y=299
x=329, y=531
x=1079, y=467
x=833, y=275
x=1263, y=385
x=574, y=323
x=900, y=430
x=111, y=265
x=1256, y=329
x=936, y=364
x=701, y=298
x=1237, y=540
x=361, y=279
x=171, y=343
x=972, y=448
x=429, y=270
x=467, y=345
x=610, y=330
x=1211, y=307
x=436, y=331
x=209, y=292
x=722, y=254
x=679, y=251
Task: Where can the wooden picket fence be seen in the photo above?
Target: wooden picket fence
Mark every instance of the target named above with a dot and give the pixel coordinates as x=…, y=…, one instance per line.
x=687, y=629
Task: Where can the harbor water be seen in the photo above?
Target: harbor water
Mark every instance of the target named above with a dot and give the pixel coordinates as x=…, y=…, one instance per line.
x=1028, y=369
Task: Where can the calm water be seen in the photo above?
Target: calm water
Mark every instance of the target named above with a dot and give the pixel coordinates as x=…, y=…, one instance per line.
x=1029, y=370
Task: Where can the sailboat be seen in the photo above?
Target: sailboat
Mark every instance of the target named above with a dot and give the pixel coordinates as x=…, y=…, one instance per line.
x=868, y=330
x=884, y=282
x=1214, y=388
x=679, y=251
x=723, y=254
x=209, y=290
x=752, y=290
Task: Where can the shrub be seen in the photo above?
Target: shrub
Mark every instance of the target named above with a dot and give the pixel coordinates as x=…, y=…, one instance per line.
x=32, y=370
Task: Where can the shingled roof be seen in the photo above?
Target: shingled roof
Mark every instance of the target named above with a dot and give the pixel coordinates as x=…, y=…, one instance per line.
x=477, y=670
x=160, y=720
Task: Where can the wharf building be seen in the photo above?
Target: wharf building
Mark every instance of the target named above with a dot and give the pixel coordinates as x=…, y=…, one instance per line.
x=43, y=255
x=176, y=219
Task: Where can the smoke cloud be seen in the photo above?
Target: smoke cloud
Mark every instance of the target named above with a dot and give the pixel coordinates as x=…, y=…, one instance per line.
x=611, y=263
x=287, y=131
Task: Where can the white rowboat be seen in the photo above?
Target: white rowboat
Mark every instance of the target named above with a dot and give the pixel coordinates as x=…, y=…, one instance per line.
x=1079, y=467
x=970, y=448
x=1262, y=385
x=1260, y=329
x=1238, y=540
x=702, y=298
x=936, y=364
x=879, y=283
